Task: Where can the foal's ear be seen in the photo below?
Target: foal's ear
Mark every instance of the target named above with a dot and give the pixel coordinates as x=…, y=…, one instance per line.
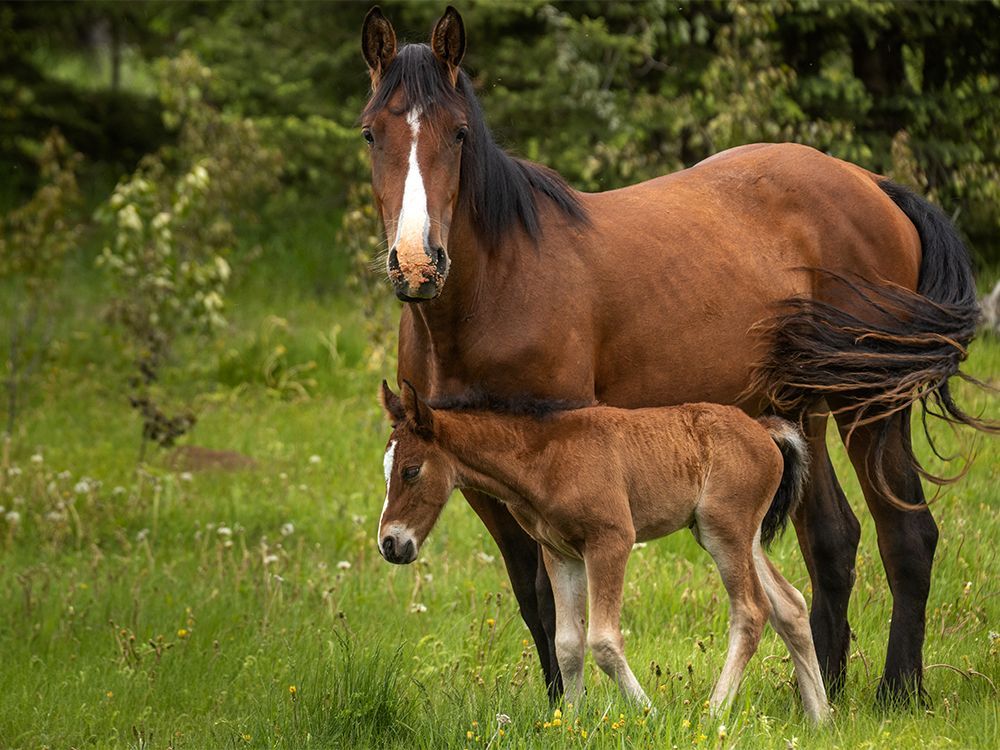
x=417, y=410
x=378, y=44
x=448, y=41
x=393, y=407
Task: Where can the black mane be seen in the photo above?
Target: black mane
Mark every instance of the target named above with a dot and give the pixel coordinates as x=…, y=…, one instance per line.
x=518, y=406
x=498, y=189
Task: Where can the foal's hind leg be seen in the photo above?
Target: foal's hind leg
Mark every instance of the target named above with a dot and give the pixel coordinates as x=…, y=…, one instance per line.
x=790, y=618
x=729, y=541
x=828, y=533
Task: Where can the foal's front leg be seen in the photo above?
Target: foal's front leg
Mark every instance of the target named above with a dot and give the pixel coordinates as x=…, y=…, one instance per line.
x=606, y=559
x=569, y=588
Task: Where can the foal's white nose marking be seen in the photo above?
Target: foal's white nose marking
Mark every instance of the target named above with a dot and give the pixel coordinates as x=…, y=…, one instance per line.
x=390, y=452
x=413, y=225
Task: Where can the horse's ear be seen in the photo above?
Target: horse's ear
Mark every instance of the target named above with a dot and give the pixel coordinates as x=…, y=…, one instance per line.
x=378, y=44
x=417, y=411
x=391, y=404
x=448, y=41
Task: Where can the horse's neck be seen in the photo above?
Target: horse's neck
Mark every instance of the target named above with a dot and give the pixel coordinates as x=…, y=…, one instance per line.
x=495, y=454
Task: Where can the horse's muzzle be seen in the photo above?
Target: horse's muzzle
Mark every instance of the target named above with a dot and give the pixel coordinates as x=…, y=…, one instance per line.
x=418, y=281
x=398, y=551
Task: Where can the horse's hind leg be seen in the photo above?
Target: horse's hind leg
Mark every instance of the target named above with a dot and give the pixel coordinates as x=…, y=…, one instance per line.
x=531, y=587
x=790, y=618
x=728, y=540
x=906, y=542
x=828, y=533
x=606, y=558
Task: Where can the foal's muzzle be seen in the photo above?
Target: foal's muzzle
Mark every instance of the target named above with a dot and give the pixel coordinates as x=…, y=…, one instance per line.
x=423, y=279
x=397, y=550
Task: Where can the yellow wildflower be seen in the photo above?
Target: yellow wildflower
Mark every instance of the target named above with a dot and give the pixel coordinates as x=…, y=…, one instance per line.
x=490, y=622
x=183, y=633
x=468, y=735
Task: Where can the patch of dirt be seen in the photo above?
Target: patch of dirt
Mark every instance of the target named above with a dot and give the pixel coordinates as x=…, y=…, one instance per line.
x=196, y=458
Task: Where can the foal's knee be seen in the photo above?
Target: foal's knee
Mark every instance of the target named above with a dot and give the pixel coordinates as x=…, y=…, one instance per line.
x=569, y=650
x=607, y=650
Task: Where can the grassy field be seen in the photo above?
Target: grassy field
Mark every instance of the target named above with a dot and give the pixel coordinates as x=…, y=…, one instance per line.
x=191, y=607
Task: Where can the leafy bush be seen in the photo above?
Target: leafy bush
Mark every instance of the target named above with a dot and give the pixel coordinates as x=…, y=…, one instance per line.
x=173, y=231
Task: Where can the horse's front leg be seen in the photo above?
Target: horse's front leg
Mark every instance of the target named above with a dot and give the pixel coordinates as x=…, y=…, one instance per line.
x=606, y=558
x=531, y=586
x=569, y=586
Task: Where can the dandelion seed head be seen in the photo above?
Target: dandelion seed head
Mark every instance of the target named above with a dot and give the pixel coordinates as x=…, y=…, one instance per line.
x=224, y=531
x=343, y=565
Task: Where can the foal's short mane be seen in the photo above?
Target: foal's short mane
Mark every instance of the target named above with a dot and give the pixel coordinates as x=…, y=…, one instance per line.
x=520, y=406
x=498, y=189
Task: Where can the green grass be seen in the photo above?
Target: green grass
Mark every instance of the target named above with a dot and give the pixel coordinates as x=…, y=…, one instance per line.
x=173, y=610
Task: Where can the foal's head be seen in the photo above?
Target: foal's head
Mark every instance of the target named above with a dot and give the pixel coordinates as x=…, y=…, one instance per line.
x=419, y=476
x=415, y=126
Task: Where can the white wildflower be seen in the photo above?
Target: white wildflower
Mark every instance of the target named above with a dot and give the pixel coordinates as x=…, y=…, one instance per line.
x=343, y=565
x=287, y=529
x=14, y=471
x=314, y=459
x=358, y=520
x=224, y=531
x=82, y=487
x=64, y=475
x=483, y=557
x=418, y=608
x=503, y=719
x=269, y=559
x=142, y=535
x=186, y=476
x=13, y=518
x=119, y=490
x=37, y=458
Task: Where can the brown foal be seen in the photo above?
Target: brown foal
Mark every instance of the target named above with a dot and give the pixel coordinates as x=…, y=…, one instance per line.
x=587, y=484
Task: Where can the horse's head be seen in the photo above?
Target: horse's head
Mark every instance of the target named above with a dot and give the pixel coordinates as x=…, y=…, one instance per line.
x=419, y=476
x=415, y=124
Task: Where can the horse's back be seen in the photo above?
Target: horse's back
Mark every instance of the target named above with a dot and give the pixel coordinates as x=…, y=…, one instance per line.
x=690, y=262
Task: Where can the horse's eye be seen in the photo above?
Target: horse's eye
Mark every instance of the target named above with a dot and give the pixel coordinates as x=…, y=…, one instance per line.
x=461, y=134
x=367, y=135
x=410, y=473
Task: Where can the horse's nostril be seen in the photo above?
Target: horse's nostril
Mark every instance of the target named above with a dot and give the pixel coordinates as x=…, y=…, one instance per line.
x=393, y=260
x=408, y=553
x=387, y=546
x=440, y=259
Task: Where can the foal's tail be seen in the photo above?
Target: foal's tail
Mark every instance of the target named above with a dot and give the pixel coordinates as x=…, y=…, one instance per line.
x=795, y=452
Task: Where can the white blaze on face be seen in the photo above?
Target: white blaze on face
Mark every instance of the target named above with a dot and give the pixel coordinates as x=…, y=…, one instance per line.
x=390, y=452
x=413, y=225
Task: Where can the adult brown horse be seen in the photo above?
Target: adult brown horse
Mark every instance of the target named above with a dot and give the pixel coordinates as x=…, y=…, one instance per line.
x=521, y=288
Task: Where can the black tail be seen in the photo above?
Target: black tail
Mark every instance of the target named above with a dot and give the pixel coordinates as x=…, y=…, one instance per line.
x=872, y=370
x=795, y=453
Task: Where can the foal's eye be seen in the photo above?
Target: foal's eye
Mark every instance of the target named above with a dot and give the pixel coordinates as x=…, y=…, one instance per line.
x=367, y=135
x=410, y=473
x=461, y=134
